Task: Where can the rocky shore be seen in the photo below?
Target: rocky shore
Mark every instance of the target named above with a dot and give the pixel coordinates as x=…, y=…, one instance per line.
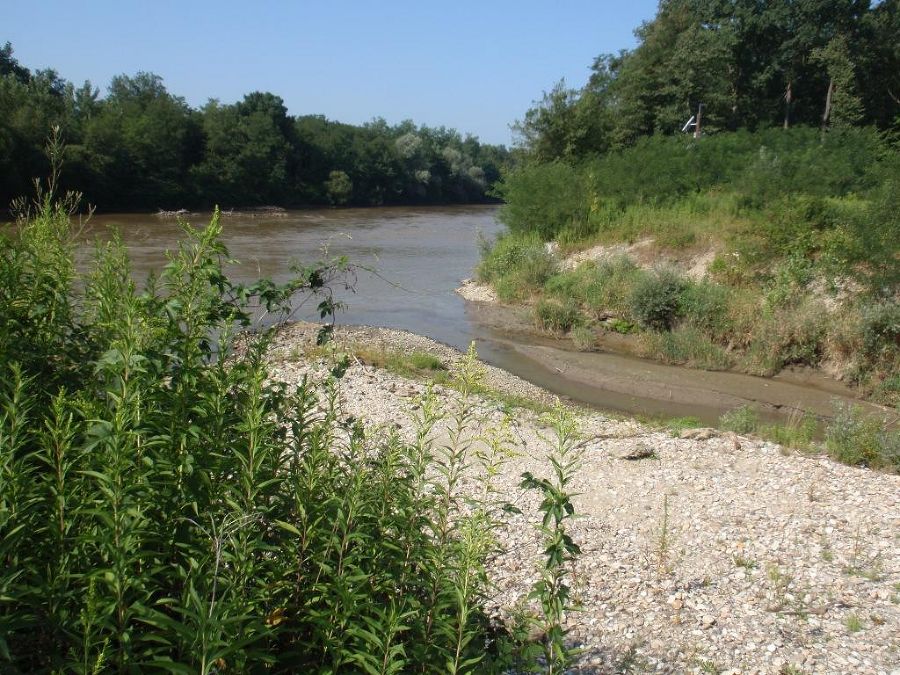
x=713, y=553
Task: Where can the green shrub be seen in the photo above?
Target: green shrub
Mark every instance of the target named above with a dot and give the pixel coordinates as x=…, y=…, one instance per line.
x=859, y=440
x=163, y=508
x=655, y=299
x=705, y=306
x=743, y=420
x=686, y=346
x=678, y=424
x=584, y=338
x=607, y=284
x=543, y=198
x=788, y=336
x=797, y=432
x=516, y=266
x=555, y=315
x=602, y=287
x=425, y=361
x=621, y=326
x=880, y=324
x=870, y=248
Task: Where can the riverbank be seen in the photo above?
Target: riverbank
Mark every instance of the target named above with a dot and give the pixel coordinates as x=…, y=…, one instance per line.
x=613, y=374
x=725, y=554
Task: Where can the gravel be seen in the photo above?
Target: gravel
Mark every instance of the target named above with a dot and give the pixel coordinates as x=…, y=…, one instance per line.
x=768, y=562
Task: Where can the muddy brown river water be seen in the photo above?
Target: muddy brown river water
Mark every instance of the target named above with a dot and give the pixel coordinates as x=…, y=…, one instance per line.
x=415, y=259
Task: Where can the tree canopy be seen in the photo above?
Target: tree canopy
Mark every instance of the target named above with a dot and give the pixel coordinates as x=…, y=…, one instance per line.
x=750, y=63
x=141, y=147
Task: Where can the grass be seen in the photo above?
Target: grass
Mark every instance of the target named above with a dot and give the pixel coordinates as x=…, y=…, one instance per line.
x=850, y=438
x=748, y=564
x=856, y=439
x=407, y=364
x=685, y=346
x=853, y=623
x=557, y=316
x=421, y=366
x=678, y=424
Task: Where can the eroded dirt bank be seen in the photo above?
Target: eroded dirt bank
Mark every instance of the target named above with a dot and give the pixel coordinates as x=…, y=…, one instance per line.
x=770, y=563
x=612, y=378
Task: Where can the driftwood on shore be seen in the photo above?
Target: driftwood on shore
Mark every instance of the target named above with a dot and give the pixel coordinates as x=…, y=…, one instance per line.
x=249, y=212
x=267, y=211
x=256, y=212
x=162, y=213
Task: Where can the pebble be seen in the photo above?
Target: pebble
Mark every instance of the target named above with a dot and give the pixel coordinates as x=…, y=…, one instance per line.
x=703, y=554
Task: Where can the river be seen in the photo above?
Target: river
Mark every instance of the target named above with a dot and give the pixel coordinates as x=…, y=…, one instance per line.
x=409, y=263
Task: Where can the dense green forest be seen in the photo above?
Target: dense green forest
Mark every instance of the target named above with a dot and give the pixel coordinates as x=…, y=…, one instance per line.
x=142, y=147
x=751, y=64
x=767, y=240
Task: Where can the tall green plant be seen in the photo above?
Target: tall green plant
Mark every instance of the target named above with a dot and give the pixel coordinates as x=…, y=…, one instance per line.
x=552, y=590
x=165, y=506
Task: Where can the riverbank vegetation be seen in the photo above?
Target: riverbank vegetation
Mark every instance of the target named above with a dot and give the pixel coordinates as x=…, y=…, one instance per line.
x=141, y=147
x=750, y=246
x=166, y=506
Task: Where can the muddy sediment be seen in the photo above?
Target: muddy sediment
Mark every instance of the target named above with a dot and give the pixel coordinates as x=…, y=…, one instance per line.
x=613, y=377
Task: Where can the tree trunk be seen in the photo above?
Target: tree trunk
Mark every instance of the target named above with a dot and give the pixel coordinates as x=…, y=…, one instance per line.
x=699, y=120
x=788, y=98
x=827, y=113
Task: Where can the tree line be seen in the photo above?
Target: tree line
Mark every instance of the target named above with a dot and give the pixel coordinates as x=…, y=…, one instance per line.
x=751, y=63
x=142, y=147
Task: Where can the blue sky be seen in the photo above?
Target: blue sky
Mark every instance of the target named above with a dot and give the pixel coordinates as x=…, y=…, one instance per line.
x=474, y=66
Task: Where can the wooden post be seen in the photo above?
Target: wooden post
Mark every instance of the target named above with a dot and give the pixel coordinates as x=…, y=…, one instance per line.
x=699, y=120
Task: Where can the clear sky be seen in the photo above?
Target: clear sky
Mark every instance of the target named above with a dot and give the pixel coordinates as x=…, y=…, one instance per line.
x=473, y=66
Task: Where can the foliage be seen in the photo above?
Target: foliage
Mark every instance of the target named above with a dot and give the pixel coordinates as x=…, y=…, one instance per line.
x=751, y=65
x=141, y=147
x=600, y=287
x=552, y=589
x=803, y=230
x=555, y=315
x=528, y=209
x=743, y=420
x=165, y=506
x=584, y=338
x=516, y=265
x=655, y=299
x=688, y=346
x=853, y=438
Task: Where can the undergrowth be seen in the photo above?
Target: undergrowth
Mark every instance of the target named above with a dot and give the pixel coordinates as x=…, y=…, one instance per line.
x=165, y=506
x=802, y=227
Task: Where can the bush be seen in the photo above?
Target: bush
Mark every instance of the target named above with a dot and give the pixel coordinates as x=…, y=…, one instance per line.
x=543, y=198
x=858, y=440
x=164, y=508
x=584, y=338
x=516, y=266
x=603, y=287
x=880, y=325
x=557, y=315
x=788, y=336
x=686, y=346
x=743, y=420
x=425, y=361
x=655, y=300
x=870, y=250
x=797, y=432
x=705, y=306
